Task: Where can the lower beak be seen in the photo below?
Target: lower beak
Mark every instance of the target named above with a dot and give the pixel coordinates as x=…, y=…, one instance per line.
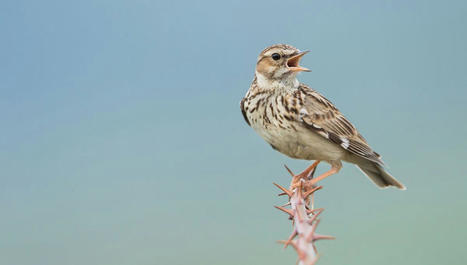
x=293, y=63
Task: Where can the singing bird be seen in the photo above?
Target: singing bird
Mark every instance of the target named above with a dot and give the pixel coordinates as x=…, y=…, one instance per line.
x=301, y=123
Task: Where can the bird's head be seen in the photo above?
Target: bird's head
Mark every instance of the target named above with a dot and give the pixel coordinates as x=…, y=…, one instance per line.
x=280, y=63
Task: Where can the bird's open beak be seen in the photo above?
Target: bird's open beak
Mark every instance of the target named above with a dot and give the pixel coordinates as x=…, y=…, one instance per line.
x=293, y=63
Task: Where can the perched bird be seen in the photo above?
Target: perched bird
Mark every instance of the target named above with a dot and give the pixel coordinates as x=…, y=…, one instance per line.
x=301, y=123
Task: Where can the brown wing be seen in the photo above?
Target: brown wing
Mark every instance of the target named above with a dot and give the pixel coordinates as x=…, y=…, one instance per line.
x=242, y=108
x=321, y=116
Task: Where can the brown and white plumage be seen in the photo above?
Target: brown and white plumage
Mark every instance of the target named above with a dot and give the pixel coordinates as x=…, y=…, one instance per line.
x=301, y=123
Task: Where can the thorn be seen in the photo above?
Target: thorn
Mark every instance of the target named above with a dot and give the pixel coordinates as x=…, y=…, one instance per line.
x=282, y=194
x=319, y=237
x=315, y=249
x=286, y=191
x=290, y=171
x=316, y=211
x=287, y=204
x=314, y=226
x=313, y=218
x=312, y=173
x=292, y=243
x=308, y=193
x=310, y=237
x=285, y=210
x=291, y=237
x=313, y=169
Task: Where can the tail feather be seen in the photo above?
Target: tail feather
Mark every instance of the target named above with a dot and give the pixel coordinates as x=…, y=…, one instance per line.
x=379, y=175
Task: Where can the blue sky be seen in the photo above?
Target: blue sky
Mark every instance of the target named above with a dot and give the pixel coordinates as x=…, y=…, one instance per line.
x=122, y=140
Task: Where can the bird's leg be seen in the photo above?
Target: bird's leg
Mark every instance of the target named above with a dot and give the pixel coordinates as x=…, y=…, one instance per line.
x=334, y=169
x=305, y=175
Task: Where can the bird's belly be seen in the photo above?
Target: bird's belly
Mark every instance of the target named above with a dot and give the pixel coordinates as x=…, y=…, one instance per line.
x=299, y=142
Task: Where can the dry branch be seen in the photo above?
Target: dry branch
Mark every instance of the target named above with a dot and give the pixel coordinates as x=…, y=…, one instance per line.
x=305, y=220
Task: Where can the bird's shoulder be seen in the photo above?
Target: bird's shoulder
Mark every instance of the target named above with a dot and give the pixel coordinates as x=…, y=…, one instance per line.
x=320, y=115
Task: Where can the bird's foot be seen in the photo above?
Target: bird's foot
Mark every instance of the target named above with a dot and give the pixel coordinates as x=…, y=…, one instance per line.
x=305, y=176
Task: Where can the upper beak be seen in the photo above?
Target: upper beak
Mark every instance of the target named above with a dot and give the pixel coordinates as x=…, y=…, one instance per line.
x=293, y=63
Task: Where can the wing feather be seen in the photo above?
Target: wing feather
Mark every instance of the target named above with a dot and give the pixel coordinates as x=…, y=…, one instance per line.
x=242, y=108
x=321, y=116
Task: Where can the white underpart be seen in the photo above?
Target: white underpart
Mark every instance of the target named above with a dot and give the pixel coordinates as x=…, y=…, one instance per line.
x=301, y=143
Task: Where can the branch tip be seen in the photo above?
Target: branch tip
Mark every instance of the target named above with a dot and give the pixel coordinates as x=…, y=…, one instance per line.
x=303, y=215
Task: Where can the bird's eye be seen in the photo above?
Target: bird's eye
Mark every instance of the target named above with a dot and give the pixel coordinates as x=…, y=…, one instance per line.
x=276, y=56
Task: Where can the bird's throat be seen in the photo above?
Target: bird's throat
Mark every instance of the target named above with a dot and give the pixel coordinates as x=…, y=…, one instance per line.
x=287, y=83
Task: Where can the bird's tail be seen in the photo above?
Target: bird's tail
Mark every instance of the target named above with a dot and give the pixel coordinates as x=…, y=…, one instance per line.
x=379, y=175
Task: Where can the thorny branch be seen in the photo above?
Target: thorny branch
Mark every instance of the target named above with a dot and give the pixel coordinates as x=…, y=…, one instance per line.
x=305, y=220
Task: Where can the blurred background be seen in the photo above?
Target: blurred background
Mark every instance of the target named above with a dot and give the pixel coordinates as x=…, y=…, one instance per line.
x=122, y=140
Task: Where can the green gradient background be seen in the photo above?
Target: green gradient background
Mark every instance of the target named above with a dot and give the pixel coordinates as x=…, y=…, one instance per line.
x=122, y=140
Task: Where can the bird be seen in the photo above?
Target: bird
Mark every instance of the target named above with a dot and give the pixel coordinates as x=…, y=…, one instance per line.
x=301, y=123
